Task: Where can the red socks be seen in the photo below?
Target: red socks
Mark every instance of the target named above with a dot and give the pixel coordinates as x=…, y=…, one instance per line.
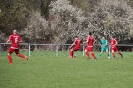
x=113, y=54
x=87, y=55
x=21, y=55
x=10, y=59
x=71, y=54
x=93, y=55
x=119, y=53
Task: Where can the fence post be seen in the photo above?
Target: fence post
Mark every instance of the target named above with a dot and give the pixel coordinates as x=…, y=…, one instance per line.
x=57, y=47
x=83, y=50
x=29, y=50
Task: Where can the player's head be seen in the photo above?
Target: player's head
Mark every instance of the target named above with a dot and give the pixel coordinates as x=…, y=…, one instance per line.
x=90, y=33
x=112, y=36
x=103, y=37
x=14, y=31
x=76, y=36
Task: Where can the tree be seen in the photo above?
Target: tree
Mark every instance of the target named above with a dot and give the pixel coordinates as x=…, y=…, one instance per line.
x=112, y=17
x=58, y=21
x=13, y=15
x=68, y=21
x=36, y=27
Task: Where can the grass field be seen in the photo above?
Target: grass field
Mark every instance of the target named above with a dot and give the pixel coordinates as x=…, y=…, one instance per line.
x=45, y=70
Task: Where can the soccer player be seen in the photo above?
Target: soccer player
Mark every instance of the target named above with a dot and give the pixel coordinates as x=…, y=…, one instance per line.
x=114, y=47
x=90, y=41
x=15, y=39
x=74, y=47
x=104, y=47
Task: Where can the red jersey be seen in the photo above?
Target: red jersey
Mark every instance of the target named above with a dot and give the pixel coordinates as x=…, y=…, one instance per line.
x=90, y=40
x=113, y=42
x=15, y=38
x=77, y=42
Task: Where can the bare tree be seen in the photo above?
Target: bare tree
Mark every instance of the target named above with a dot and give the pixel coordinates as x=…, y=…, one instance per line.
x=112, y=18
x=68, y=20
x=36, y=28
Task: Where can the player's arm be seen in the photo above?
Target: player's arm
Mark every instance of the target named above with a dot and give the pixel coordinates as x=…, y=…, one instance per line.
x=116, y=43
x=7, y=42
x=106, y=43
x=20, y=40
x=86, y=41
x=100, y=43
x=9, y=39
x=94, y=41
x=110, y=43
x=72, y=45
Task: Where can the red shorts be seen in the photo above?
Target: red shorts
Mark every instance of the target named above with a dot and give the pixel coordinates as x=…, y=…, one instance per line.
x=115, y=48
x=75, y=48
x=11, y=50
x=89, y=49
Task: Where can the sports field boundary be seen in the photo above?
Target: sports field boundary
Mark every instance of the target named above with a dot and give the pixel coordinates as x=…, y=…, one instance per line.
x=57, y=46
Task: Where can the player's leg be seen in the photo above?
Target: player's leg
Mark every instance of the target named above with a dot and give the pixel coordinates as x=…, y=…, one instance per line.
x=113, y=54
x=90, y=49
x=75, y=49
x=109, y=48
x=112, y=51
x=119, y=52
x=102, y=50
x=87, y=53
x=71, y=53
x=93, y=55
x=100, y=54
x=108, y=53
x=20, y=55
x=10, y=58
x=9, y=55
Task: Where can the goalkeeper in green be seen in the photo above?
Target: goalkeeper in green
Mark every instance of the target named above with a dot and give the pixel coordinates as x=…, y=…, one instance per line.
x=104, y=47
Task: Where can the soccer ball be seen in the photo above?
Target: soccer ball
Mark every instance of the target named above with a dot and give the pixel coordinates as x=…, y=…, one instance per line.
x=109, y=57
x=74, y=55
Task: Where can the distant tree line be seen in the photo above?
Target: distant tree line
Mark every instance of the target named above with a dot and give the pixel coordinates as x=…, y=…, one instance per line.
x=58, y=21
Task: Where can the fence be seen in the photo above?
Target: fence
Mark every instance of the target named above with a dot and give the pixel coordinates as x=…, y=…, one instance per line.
x=34, y=47
x=57, y=47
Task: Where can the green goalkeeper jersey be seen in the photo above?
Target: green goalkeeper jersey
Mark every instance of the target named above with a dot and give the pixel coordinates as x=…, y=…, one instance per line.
x=104, y=42
x=104, y=47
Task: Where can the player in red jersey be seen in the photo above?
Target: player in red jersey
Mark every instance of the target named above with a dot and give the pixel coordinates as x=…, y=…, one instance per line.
x=90, y=41
x=114, y=46
x=15, y=39
x=74, y=47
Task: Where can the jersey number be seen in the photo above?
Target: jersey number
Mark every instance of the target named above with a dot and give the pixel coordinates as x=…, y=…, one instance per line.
x=16, y=40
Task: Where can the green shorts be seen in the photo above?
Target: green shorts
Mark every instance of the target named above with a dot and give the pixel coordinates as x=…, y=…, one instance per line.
x=105, y=48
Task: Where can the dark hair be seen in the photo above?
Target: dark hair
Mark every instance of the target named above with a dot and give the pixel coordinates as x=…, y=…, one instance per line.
x=113, y=36
x=102, y=35
x=76, y=36
x=90, y=33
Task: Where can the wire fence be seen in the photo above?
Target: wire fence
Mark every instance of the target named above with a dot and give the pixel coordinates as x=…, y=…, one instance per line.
x=59, y=47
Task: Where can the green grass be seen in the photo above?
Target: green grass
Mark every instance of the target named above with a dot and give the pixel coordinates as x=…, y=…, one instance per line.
x=45, y=70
